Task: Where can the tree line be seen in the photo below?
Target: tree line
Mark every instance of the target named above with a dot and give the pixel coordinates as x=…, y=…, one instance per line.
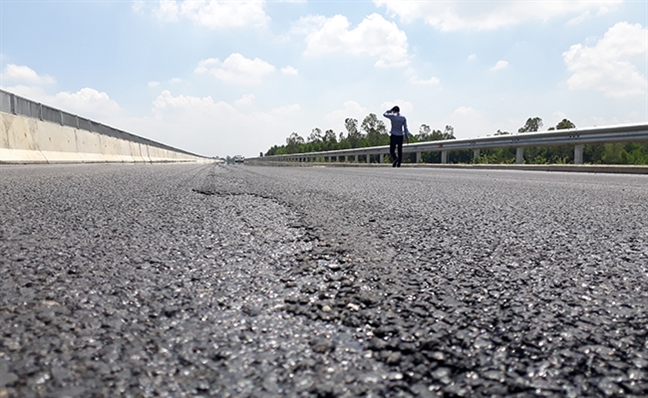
x=373, y=132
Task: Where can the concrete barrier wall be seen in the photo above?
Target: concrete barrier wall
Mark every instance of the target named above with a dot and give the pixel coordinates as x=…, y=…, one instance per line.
x=29, y=140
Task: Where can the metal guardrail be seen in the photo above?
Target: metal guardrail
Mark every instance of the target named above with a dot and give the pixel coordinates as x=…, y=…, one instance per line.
x=14, y=104
x=576, y=137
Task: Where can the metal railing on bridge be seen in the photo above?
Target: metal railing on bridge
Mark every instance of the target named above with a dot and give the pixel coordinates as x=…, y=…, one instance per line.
x=576, y=137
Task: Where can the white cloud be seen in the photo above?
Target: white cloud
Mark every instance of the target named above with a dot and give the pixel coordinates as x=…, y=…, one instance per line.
x=236, y=69
x=167, y=10
x=209, y=127
x=488, y=15
x=21, y=74
x=579, y=19
x=245, y=100
x=587, y=15
x=166, y=101
x=88, y=103
x=213, y=14
x=465, y=111
x=352, y=109
x=153, y=84
x=429, y=82
x=472, y=57
x=138, y=5
x=287, y=110
x=610, y=65
x=289, y=70
x=500, y=65
x=558, y=116
x=469, y=122
x=374, y=36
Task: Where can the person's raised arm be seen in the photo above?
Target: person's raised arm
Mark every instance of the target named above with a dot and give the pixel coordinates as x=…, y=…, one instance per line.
x=407, y=133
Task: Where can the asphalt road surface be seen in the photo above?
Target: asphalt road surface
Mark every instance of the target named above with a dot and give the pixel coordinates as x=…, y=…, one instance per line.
x=240, y=281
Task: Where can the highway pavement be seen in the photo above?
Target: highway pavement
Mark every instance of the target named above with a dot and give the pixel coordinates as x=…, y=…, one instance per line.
x=239, y=281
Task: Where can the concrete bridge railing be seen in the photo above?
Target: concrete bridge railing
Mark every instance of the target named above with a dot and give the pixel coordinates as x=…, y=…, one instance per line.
x=31, y=132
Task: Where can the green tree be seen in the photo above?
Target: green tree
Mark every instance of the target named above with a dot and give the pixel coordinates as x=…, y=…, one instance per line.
x=533, y=154
x=329, y=140
x=354, y=136
x=294, y=143
x=376, y=132
x=565, y=124
x=560, y=154
x=498, y=155
x=448, y=133
x=424, y=132
x=532, y=124
x=329, y=136
x=315, y=135
x=624, y=153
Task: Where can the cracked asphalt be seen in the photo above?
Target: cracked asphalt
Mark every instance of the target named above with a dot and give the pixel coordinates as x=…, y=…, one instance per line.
x=241, y=281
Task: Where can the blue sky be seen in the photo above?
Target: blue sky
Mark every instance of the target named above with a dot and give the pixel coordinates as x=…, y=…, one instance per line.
x=235, y=77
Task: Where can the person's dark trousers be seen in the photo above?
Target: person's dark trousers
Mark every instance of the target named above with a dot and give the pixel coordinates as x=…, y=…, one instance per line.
x=396, y=144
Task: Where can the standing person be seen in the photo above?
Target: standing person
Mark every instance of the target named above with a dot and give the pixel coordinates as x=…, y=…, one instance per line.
x=398, y=129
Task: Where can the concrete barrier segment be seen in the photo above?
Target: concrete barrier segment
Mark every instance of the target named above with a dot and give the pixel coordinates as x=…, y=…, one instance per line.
x=29, y=140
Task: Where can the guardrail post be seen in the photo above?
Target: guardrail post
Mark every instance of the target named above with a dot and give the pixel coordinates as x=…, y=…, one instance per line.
x=444, y=157
x=519, y=155
x=40, y=111
x=476, y=155
x=12, y=103
x=418, y=157
x=578, y=154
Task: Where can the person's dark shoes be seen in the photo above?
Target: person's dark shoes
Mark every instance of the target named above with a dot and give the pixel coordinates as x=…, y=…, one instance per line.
x=398, y=164
x=395, y=163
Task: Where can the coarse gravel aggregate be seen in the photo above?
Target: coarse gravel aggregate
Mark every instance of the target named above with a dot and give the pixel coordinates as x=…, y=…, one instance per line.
x=240, y=281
